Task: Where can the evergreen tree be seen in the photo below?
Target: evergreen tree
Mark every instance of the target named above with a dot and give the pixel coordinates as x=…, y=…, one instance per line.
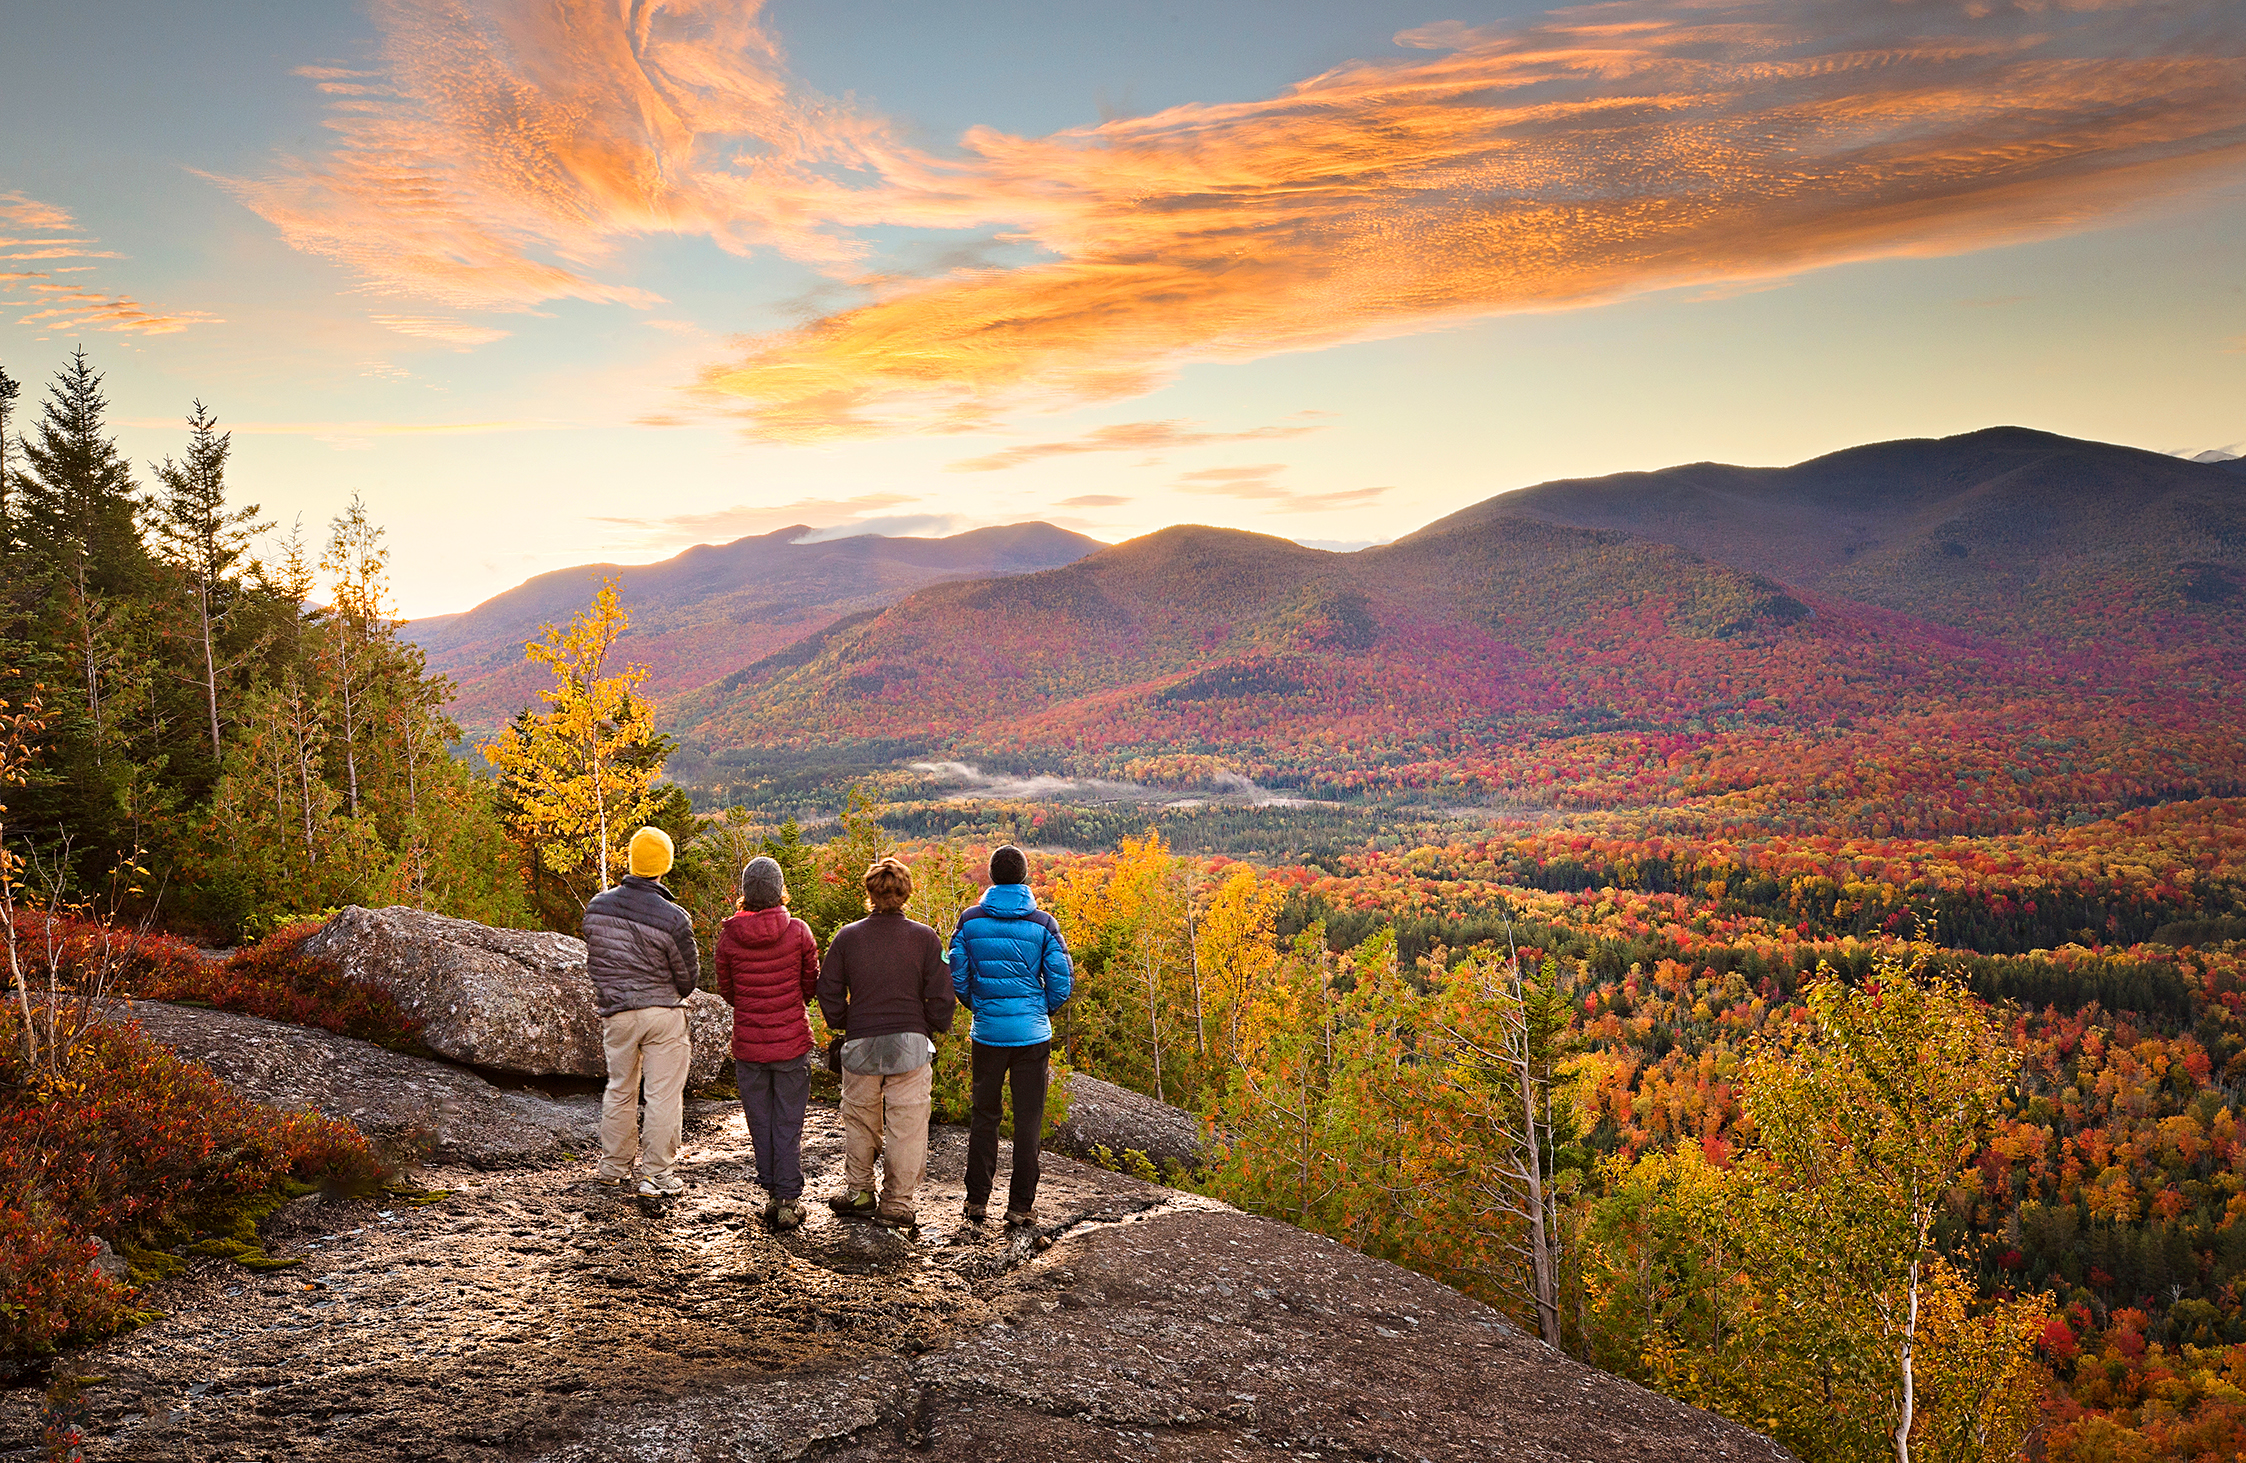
x=206, y=542
x=82, y=560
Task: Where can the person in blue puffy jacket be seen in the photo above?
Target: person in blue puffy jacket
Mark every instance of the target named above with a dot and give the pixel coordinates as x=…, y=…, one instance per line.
x=1010, y=967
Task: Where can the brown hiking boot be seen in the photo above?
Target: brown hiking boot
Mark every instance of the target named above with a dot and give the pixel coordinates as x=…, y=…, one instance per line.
x=854, y=1205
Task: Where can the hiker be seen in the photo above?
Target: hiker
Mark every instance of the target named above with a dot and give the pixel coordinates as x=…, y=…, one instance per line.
x=639, y=950
x=768, y=969
x=1011, y=967
x=884, y=987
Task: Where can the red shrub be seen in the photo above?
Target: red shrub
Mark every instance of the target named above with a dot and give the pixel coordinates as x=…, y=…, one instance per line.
x=273, y=979
x=50, y=1294
x=277, y=980
x=129, y=1141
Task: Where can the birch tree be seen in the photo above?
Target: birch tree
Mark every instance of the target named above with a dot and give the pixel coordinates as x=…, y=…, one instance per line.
x=578, y=777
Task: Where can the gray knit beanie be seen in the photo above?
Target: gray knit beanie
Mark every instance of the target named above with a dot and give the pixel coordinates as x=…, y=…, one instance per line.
x=762, y=884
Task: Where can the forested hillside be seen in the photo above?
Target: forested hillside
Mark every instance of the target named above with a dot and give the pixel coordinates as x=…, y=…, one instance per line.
x=715, y=608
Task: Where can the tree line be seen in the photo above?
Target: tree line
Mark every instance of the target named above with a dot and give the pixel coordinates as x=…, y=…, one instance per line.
x=230, y=710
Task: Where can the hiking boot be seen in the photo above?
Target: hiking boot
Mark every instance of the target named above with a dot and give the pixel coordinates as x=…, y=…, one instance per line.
x=975, y=1213
x=771, y=1215
x=854, y=1204
x=661, y=1185
x=787, y=1215
x=906, y=1223
x=1018, y=1217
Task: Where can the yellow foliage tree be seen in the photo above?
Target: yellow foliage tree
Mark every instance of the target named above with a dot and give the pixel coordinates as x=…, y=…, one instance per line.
x=578, y=778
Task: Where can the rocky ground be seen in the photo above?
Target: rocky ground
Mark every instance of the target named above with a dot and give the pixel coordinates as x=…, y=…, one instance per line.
x=529, y=1314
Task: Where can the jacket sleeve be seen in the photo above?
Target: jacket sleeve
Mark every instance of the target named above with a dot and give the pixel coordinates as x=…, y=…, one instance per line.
x=959, y=959
x=808, y=955
x=723, y=959
x=686, y=961
x=834, y=988
x=1059, y=973
x=936, y=998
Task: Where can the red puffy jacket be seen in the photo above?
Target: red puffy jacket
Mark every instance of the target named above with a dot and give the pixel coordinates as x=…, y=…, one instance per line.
x=767, y=966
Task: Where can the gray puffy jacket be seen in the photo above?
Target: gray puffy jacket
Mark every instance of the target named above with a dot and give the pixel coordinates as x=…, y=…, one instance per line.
x=639, y=948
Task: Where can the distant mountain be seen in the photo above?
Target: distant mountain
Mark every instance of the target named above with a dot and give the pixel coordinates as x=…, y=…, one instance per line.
x=2006, y=592
x=1207, y=642
x=713, y=609
x=2008, y=532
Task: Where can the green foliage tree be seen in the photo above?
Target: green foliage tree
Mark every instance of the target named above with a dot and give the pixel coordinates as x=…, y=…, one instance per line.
x=206, y=541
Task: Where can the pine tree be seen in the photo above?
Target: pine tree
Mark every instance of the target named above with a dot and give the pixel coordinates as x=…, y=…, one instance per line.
x=206, y=542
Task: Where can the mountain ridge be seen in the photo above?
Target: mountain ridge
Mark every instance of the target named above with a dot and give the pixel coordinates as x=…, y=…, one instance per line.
x=710, y=609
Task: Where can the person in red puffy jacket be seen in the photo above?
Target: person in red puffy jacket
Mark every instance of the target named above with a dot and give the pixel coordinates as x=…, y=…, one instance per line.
x=768, y=968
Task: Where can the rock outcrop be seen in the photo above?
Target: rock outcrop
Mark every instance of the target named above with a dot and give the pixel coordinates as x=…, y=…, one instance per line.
x=527, y=1314
x=1107, y=1122
x=410, y=1108
x=509, y=1000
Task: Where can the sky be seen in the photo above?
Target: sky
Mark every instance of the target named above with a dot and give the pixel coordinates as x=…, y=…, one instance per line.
x=550, y=282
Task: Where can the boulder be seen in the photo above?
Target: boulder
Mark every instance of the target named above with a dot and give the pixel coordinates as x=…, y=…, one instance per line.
x=409, y=1107
x=1103, y=1116
x=515, y=1001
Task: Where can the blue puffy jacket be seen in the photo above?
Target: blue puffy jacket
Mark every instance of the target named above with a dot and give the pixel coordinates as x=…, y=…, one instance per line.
x=1009, y=965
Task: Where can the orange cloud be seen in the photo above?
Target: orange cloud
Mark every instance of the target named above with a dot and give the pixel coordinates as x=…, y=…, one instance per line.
x=1133, y=437
x=30, y=213
x=502, y=154
x=1596, y=153
x=504, y=151
x=1257, y=482
x=68, y=306
x=452, y=332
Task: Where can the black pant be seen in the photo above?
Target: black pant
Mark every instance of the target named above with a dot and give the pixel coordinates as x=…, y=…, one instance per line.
x=992, y=1066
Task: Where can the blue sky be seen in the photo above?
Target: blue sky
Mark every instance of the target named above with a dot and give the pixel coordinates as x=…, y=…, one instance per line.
x=1115, y=266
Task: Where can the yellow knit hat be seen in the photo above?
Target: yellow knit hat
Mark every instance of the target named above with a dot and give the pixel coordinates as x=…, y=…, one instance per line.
x=651, y=853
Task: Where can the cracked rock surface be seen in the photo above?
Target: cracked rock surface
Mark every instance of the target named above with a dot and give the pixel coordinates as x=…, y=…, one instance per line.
x=533, y=1315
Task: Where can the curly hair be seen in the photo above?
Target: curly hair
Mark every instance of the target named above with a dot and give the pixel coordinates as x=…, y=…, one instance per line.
x=888, y=886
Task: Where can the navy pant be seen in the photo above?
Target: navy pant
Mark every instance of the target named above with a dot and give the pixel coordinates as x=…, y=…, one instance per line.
x=994, y=1067
x=773, y=1095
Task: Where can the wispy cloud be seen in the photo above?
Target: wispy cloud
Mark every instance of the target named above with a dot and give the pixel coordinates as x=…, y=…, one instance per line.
x=51, y=304
x=29, y=213
x=500, y=153
x=1258, y=482
x=459, y=333
x=1137, y=437
x=1608, y=150
x=744, y=519
x=499, y=157
x=1093, y=500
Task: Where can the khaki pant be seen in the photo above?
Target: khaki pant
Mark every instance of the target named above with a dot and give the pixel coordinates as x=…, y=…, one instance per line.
x=887, y=1118
x=652, y=1041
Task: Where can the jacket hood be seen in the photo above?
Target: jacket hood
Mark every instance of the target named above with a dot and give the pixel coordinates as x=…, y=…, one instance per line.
x=758, y=926
x=1009, y=899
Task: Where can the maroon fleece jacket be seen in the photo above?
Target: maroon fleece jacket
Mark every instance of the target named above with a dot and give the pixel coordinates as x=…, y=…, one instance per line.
x=767, y=967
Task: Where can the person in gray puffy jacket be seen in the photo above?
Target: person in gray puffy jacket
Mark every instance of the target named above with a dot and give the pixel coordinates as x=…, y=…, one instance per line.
x=640, y=953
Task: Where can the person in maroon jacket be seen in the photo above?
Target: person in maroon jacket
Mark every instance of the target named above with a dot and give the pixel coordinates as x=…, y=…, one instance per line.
x=768, y=968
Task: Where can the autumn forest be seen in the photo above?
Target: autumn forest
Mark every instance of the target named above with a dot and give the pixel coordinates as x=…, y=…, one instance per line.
x=1804, y=973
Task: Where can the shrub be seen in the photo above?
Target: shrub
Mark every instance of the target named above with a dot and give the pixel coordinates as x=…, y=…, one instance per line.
x=273, y=979
x=132, y=1142
x=277, y=980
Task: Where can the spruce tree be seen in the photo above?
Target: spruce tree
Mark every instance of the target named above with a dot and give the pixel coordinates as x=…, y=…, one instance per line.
x=80, y=562
x=205, y=542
